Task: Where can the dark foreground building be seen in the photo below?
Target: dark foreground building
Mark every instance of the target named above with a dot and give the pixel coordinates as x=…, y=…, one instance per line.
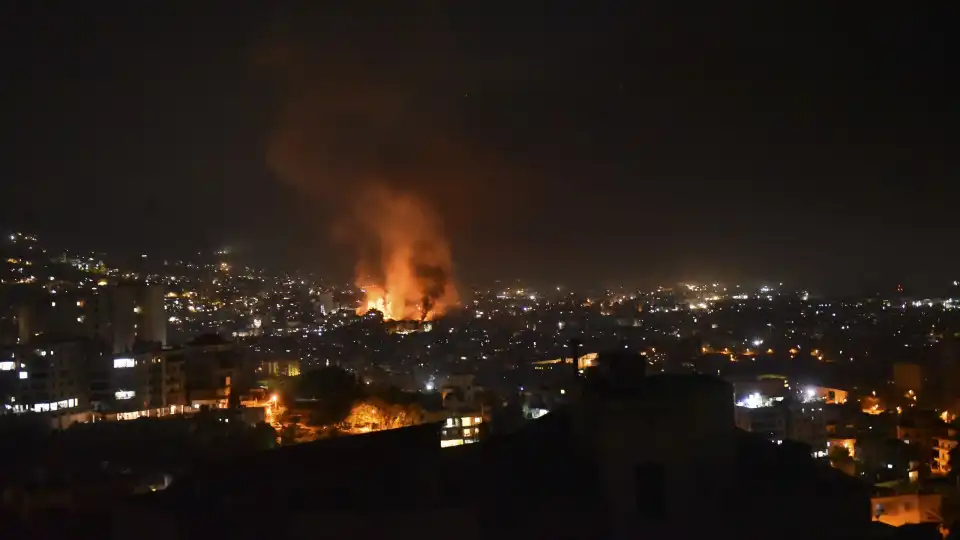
x=629, y=457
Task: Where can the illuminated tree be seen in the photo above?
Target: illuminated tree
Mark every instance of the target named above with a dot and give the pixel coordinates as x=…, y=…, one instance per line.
x=377, y=414
x=334, y=390
x=365, y=415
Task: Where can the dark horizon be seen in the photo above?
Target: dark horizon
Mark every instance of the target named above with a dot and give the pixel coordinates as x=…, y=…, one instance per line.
x=614, y=143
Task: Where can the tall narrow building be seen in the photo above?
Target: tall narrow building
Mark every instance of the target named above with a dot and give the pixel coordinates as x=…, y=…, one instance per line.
x=138, y=316
x=152, y=326
x=125, y=317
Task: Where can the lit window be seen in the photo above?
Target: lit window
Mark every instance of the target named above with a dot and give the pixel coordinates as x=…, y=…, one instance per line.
x=124, y=362
x=8, y=366
x=466, y=421
x=24, y=375
x=124, y=394
x=451, y=442
x=476, y=420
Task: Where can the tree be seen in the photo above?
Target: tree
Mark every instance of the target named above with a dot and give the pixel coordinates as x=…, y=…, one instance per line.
x=838, y=454
x=375, y=414
x=841, y=459
x=334, y=390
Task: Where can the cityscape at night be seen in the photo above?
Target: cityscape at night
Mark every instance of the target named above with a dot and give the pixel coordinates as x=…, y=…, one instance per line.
x=481, y=270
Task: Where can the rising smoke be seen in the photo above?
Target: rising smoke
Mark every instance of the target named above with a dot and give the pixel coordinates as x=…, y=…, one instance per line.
x=362, y=131
x=414, y=264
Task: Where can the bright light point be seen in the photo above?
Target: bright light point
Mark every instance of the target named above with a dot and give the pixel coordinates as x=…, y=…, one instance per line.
x=757, y=342
x=810, y=392
x=429, y=387
x=753, y=401
x=273, y=398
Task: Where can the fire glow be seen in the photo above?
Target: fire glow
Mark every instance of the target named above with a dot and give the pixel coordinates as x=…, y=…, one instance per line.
x=377, y=299
x=414, y=264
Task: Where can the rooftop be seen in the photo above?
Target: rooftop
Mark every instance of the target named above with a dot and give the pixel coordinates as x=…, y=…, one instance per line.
x=544, y=481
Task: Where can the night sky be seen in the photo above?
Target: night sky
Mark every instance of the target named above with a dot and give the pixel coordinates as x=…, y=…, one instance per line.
x=592, y=143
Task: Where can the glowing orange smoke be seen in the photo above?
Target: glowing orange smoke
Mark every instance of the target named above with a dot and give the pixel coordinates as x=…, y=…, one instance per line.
x=413, y=262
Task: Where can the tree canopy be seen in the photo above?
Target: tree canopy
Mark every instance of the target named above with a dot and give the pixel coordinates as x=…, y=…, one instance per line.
x=333, y=395
x=334, y=391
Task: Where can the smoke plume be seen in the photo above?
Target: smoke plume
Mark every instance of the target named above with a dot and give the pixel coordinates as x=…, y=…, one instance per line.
x=413, y=264
x=364, y=132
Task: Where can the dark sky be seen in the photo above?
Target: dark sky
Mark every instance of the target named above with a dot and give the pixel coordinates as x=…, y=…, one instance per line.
x=575, y=142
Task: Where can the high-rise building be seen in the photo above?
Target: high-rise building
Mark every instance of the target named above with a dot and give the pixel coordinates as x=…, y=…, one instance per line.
x=325, y=304
x=124, y=317
x=54, y=378
x=26, y=323
x=138, y=316
x=216, y=371
x=152, y=327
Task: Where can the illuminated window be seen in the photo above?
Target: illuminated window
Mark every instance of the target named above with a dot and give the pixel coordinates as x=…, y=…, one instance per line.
x=124, y=394
x=24, y=375
x=124, y=362
x=467, y=432
x=8, y=366
x=476, y=420
x=467, y=421
x=449, y=420
x=451, y=442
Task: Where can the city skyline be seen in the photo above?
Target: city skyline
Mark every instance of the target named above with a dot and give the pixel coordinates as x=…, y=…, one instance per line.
x=376, y=269
x=576, y=148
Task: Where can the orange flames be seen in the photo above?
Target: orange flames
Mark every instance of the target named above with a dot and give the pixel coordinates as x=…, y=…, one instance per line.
x=376, y=299
x=355, y=136
x=414, y=260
